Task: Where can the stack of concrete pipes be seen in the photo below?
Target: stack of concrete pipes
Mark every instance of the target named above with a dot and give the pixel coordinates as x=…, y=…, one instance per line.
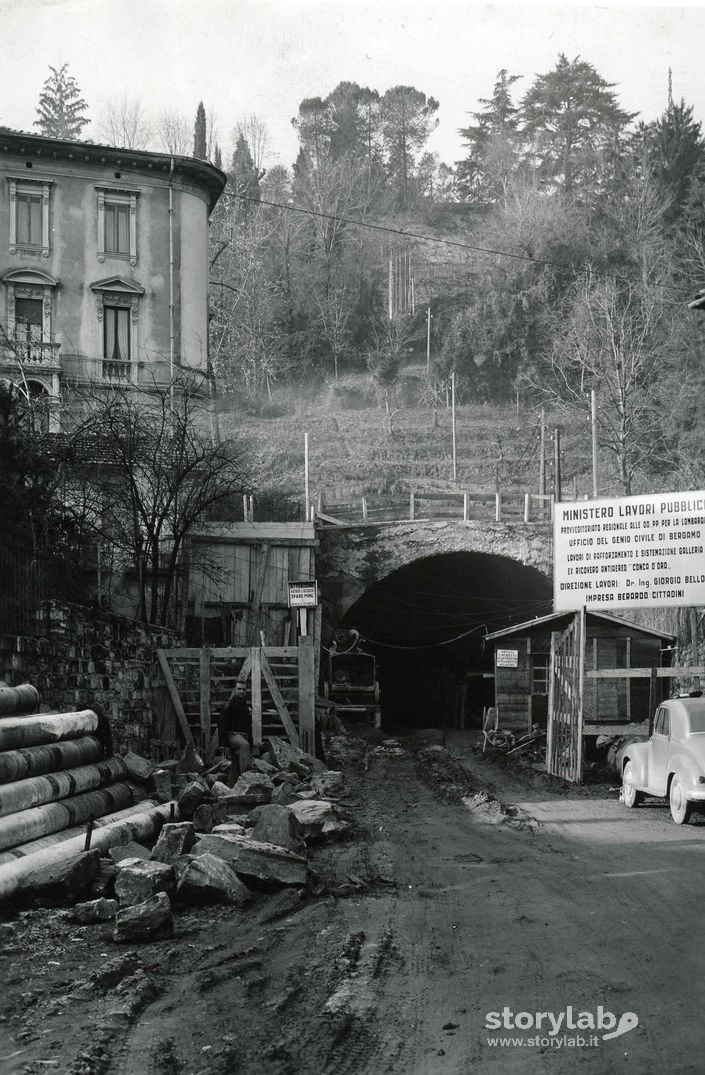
x=56, y=779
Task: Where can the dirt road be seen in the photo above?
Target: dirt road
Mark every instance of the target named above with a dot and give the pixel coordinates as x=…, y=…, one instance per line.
x=439, y=918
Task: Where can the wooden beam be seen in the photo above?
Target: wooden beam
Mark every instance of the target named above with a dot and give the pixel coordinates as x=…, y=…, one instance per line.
x=175, y=700
x=279, y=701
x=330, y=519
x=205, y=698
x=255, y=659
x=307, y=708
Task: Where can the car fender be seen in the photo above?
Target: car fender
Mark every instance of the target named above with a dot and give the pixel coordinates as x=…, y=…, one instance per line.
x=687, y=769
x=638, y=754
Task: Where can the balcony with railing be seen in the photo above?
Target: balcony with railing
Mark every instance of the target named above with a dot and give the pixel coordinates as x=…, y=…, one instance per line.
x=25, y=346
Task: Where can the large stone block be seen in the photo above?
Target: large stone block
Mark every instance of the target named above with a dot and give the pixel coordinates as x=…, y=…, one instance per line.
x=253, y=787
x=60, y=882
x=265, y=864
x=174, y=840
x=278, y=825
x=208, y=879
x=151, y=920
x=138, y=881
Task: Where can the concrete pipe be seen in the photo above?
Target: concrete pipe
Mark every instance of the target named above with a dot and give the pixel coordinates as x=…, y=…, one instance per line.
x=49, y=758
x=17, y=874
x=77, y=831
x=53, y=817
x=45, y=728
x=37, y=790
x=21, y=699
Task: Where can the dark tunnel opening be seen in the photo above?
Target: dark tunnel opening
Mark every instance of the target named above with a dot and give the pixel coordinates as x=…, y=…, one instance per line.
x=425, y=625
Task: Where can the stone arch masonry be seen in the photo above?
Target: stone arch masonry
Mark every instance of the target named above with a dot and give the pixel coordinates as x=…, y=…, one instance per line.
x=351, y=559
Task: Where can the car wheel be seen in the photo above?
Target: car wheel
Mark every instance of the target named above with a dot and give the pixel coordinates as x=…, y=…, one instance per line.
x=681, y=809
x=630, y=796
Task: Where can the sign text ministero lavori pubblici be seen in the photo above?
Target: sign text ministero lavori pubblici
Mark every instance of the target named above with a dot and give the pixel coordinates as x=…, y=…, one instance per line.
x=630, y=551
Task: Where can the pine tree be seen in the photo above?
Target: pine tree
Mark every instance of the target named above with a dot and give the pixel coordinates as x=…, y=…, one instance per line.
x=61, y=110
x=200, y=141
x=218, y=157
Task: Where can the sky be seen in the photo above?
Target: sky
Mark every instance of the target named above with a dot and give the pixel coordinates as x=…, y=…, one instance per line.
x=263, y=57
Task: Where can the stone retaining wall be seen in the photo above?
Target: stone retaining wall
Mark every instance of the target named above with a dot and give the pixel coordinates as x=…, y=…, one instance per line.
x=82, y=658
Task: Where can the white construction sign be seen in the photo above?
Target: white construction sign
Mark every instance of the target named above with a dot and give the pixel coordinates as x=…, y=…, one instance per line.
x=632, y=551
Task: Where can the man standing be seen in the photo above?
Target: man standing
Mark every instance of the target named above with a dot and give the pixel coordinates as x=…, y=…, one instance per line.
x=235, y=732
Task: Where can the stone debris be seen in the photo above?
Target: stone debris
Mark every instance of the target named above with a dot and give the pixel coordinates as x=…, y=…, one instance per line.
x=230, y=828
x=100, y=910
x=252, y=860
x=195, y=792
x=208, y=879
x=279, y=825
x=61, y=882
x=138, y=880
x=312, y=814
x=150, y=920
x=176, y=838
x=252, y=788
x=159, y=785
x=130, y=850
x=222, y=844
x=203, y=818
x=138, y=768
x=104, y=880
x=283, y=795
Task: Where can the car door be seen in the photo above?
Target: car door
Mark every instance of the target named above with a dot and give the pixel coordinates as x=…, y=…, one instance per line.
x=658, y=752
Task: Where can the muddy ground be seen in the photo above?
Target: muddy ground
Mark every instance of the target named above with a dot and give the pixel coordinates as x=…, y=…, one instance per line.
x=467, y=888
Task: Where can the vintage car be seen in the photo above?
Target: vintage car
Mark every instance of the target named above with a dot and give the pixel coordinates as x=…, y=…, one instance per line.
x=671, y=763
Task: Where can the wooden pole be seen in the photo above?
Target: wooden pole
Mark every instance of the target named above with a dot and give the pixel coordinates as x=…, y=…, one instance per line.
x=542, y=458
x=694, y=634
x=452, y=398
x=307, y=710
x=256, y=666
x=205, y=698
x=593, y=427
x=428, y=342
x=306, y=489
x=557, y=464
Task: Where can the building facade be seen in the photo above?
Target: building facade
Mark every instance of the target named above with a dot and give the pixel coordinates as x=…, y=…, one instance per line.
x=103, y=264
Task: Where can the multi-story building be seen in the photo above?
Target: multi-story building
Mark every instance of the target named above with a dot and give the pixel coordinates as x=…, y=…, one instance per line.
x=103, y=264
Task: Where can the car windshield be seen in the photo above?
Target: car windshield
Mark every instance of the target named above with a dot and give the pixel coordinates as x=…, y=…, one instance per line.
x=697, y=720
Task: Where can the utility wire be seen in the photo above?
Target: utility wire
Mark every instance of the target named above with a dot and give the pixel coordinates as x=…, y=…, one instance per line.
x=419, y=235
x=386, y=228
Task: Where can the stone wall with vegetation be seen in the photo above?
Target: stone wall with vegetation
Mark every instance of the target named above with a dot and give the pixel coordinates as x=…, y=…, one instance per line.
x=80, y=658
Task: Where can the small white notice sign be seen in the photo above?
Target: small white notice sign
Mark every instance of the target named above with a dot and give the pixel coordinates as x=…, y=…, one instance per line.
x=303, y=594
x=507, y=658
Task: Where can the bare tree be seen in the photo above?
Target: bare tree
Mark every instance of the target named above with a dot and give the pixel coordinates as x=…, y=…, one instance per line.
x=175, y=134
x=165, y=473
x=123, y=123
x=616, y=340
x=254, y=131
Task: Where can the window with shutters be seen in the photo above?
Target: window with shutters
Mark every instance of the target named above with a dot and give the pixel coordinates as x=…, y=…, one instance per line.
x=117, y=224
x=29, y=215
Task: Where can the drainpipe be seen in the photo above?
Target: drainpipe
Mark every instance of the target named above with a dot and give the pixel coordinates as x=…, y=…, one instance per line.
x=171, y=281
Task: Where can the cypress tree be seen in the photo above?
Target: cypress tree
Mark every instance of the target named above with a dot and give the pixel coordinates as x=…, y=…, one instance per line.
x=199, y=133
x=61, y=110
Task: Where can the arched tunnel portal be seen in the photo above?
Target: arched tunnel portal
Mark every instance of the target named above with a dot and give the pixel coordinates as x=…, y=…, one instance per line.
x=425, y=623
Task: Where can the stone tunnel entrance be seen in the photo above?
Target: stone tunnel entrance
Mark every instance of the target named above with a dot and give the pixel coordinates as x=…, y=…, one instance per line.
x=425, y=624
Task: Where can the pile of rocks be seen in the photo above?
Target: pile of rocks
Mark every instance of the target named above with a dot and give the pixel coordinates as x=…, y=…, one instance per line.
x=226, y=845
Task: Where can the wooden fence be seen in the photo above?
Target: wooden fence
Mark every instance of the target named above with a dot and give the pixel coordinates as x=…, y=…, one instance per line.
x=281, y=683
x=420, y=504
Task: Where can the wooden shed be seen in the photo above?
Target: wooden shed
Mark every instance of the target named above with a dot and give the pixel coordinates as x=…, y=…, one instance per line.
x=238, y=582
x=522, y=656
